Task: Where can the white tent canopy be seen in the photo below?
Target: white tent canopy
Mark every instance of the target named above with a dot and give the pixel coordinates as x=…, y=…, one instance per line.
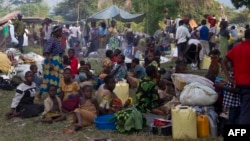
x=118, y=14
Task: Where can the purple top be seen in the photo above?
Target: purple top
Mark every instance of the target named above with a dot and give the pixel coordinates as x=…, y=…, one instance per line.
x=53, y=46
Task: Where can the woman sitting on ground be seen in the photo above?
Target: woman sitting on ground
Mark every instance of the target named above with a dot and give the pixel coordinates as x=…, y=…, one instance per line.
x=148, y=100
x=107, y=99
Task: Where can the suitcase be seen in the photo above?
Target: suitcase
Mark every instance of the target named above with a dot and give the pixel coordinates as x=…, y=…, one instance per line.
x=184, y=123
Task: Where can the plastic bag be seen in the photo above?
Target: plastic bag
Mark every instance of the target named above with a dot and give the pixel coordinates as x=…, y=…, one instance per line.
x=197, y=94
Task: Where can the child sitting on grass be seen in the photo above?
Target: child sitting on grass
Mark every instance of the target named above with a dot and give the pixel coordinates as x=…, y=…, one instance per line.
x=85, y=76
x=88, y=108
x=23, y=102
x=163, y=91
x=37, y=80
x=137, y=70
x=53, y=107
x=81, y=71
x=151, y=60
x=105, y=72
x=69, y=91
x=87, y=111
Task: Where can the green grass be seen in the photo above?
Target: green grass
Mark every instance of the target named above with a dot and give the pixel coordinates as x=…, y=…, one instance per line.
x=26, y=130
x=36, y=49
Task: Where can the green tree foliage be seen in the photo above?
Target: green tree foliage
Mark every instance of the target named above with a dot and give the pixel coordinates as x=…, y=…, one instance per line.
x=72, y=10
x=3, y=9
x=242, y=17
x=196, y=9
x=155, y=12
x=105, y=3
x=34, y=10
x=240, y=3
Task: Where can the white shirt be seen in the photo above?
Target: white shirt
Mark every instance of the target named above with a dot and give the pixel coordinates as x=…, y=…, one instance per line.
x=214, y=31
x=194, y=41
x=177, y=22
x=23, y=93
x=182, y=34
x=74, y=30
x=47, y=33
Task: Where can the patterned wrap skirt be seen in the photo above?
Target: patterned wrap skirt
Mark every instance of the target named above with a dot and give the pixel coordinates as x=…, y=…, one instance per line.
x=54, y=75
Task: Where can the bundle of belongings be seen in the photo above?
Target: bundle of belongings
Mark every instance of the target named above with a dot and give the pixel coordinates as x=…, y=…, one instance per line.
x=13, y=63
x=194, y=90
x=197, y=96
x=5, y=68
x=5, y=63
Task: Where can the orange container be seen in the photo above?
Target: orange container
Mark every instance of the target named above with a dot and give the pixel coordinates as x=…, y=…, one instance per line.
x=203, y=126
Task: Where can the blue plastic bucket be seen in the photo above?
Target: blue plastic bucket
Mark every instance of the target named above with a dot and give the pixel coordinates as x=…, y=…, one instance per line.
x=105, y=122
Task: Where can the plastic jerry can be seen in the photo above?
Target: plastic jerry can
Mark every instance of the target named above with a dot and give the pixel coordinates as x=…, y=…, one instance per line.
x=203, y=126
x=184, y=123
x=213, y=127
x=213, y=118
x=206, y=61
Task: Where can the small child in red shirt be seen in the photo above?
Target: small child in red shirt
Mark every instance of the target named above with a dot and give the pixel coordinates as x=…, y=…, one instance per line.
x=73, y=62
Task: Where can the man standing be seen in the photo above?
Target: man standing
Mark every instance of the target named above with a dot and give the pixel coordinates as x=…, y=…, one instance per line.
x=75, y=31
x=182, y=34
x=203, y=36
x=19, y=28
x=238, y=56
x=47, y=29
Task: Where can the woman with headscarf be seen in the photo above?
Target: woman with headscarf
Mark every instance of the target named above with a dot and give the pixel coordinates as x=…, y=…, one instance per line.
x=53, y=63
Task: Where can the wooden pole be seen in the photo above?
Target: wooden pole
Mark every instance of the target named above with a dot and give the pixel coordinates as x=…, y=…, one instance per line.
x=78, y=13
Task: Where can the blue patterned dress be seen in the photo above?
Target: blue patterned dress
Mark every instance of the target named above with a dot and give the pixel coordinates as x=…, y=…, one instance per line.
x=53, y=76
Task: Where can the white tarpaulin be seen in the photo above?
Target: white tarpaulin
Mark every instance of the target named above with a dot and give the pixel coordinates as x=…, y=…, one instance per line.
x=118, y=14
